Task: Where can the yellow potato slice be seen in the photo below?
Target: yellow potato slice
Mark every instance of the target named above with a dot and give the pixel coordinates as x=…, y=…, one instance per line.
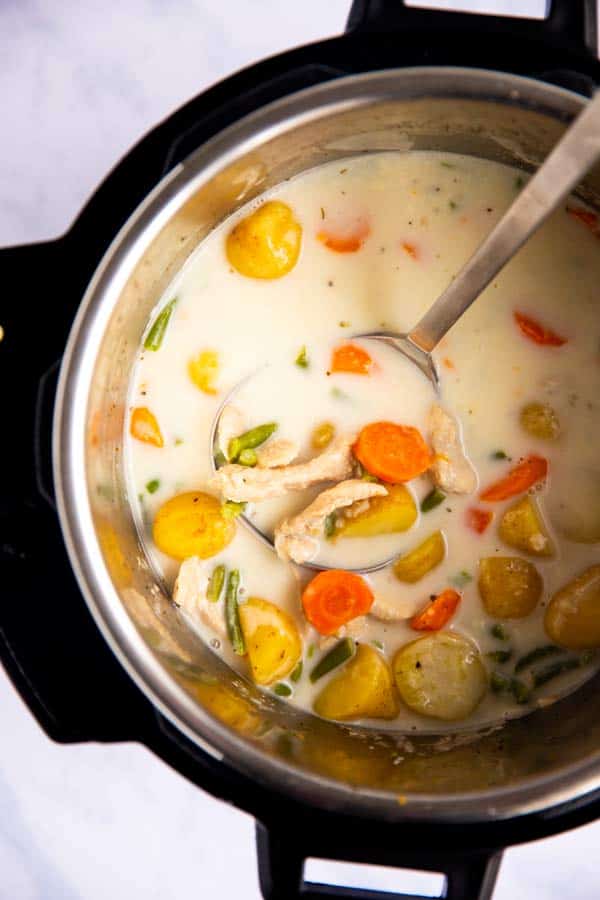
x=510, y=587
x=540, y=421
x=416, y=564
x=521, y=526
x=272, y=640
x=441, y=676
x=394, y=512
x=364, y=689
x=573, y=615
x=192, y=524
x=265, y=244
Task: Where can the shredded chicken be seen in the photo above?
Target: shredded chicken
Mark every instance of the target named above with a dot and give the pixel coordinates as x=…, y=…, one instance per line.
x=297, y=538
x=398, y=609
x=243, y=484
x=355, y=629
x=231, y=424
x=189, y=594
x=451, y=470
x=276, y=453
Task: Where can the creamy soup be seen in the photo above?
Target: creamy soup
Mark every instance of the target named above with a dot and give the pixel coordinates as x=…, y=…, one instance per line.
x=480, y=506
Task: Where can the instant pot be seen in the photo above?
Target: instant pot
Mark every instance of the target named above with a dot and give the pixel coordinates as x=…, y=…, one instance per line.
x=87, y=634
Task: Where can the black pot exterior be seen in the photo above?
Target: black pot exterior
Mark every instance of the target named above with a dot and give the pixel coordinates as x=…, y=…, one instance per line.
x=382, y=34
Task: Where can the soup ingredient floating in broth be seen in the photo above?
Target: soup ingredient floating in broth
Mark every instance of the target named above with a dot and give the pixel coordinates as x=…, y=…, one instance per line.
x=144, y=427
x=395, y=453
x=266, y=244
x=271, y=638
x=364, y=689
x=438, y=611
x=334, y=598
x=192, y=524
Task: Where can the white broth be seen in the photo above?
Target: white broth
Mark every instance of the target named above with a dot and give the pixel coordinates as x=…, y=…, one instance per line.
x=415, y=218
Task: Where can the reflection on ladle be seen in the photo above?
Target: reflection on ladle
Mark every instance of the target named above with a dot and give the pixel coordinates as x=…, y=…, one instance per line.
x=569, y=161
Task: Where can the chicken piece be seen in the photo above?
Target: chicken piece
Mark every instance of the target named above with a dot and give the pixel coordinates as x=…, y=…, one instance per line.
x=243, y=484
x=276, y=453
x=357, y=629
x=189, y=594
x=451, y=470
x=231, y=424
x=398, y=609
x=298, y=538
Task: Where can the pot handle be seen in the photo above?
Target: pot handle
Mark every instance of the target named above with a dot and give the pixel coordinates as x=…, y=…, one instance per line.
x=568, y=20
x=281, y=867
x=49, y=644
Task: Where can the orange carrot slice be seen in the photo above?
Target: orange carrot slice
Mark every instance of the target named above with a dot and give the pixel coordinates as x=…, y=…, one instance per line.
x=346, y=241
x=538, y=333
x=589, y=219
x=395, y=453
x=518, y=480
x=144, y=427
x=335, y=597
x=350, y=358
x=478, y=519
x=437, y=612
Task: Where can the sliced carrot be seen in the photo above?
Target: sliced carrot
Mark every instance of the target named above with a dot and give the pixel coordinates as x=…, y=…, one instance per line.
x=478, y=519
x=537, y=332
x=346, y=241
x=410, y=249
x=518, y=480
x=335, y=597
x=144, y=427
x=395, y=453
x=351, y=358
x=589, y=219
x=437, y=612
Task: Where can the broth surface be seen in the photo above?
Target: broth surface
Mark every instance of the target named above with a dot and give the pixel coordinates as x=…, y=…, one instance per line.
x=426, y=213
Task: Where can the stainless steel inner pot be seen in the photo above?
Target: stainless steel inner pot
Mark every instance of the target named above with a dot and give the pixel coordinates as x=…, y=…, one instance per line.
x=541, y=760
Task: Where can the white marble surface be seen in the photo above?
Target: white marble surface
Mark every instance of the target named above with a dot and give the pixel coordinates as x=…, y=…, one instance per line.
x=79, y=83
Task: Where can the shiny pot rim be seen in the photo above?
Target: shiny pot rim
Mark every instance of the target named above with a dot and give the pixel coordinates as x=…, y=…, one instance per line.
x=69, y=463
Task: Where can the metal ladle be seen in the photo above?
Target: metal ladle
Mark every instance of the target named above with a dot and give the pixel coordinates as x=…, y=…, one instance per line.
x=569, y=161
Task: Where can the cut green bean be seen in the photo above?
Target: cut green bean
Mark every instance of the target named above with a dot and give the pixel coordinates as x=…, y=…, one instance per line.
x=282, y=690
x=499, y=682
x=232, y=613
x=535, y=655
x=248, y=458
x=520, y=691
x=499, y=632
x=215, y=585
x=433, y=499
x=302, y=358
x=249, y=440
x=158, y=330
x=378, y=644
x=329, y=526
x=500, y=656
x=153, y=486
x=341, y=653
x=553, y=670
x=230, y=509
x=297, y=672
x=310, y=652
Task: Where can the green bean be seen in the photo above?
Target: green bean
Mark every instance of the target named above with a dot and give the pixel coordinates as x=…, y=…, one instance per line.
x=535, y=655
x=310, y=652
x=153, y=486
x=343, y=651
x=155, y=336
x=249, y=440
x=519, y=690
x=302, y=358
x=500, y=656
x=232, y=613
x=230, y=509
x=541, y=676
x=282, y=690
x=297, y=672
x=215, y=585
x=247, y=458
x=433, y=499
x=498, y=631
x=378, y=644
x=329, y=527
x=499, y=682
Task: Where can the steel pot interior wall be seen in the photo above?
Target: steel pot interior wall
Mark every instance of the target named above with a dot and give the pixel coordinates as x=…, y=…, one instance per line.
x=502, y=118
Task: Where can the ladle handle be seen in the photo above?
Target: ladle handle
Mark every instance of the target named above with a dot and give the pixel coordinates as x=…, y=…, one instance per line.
x=564, y=168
